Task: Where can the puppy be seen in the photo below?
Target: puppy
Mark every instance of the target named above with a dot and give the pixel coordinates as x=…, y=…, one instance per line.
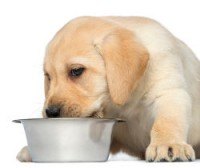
x=130, y=68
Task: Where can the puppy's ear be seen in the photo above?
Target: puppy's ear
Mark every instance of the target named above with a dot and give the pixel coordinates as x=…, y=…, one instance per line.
x=125, y=60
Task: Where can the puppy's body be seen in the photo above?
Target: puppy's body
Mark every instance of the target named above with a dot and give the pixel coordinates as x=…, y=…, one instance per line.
x=172, y=66
x=134, y=69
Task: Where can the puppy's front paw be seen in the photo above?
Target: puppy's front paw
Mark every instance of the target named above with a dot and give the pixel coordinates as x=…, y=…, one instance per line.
x=23, y=155
x=169, y=153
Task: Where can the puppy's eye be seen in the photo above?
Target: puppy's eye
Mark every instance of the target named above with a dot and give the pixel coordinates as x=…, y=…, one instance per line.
x=47, y=76
x=76, y=72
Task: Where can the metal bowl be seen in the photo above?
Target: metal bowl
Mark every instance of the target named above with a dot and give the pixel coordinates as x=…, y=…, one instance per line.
x=68, y=139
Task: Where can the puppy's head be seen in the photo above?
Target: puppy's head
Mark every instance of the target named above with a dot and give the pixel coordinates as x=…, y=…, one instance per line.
x=88, y=63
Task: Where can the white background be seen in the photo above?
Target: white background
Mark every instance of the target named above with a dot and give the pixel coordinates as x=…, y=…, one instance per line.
x=25, y=29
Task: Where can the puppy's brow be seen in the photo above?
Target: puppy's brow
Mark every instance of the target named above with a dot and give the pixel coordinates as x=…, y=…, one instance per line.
x=81, y=60
x=44, y=69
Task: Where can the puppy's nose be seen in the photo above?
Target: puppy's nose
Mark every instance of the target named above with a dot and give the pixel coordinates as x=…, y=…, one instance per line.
x=53, y=111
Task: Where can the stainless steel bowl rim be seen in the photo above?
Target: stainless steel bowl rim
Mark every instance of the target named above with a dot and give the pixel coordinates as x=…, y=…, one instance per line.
x=72, y=118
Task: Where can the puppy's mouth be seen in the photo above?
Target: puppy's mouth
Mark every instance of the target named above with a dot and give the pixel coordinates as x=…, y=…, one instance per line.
x=96, y=114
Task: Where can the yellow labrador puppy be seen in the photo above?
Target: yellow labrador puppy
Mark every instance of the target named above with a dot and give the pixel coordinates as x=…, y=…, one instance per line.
x=131, y=68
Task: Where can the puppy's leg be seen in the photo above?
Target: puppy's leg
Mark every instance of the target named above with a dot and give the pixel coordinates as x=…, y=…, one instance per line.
x=169, y=131
x=23, y=155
